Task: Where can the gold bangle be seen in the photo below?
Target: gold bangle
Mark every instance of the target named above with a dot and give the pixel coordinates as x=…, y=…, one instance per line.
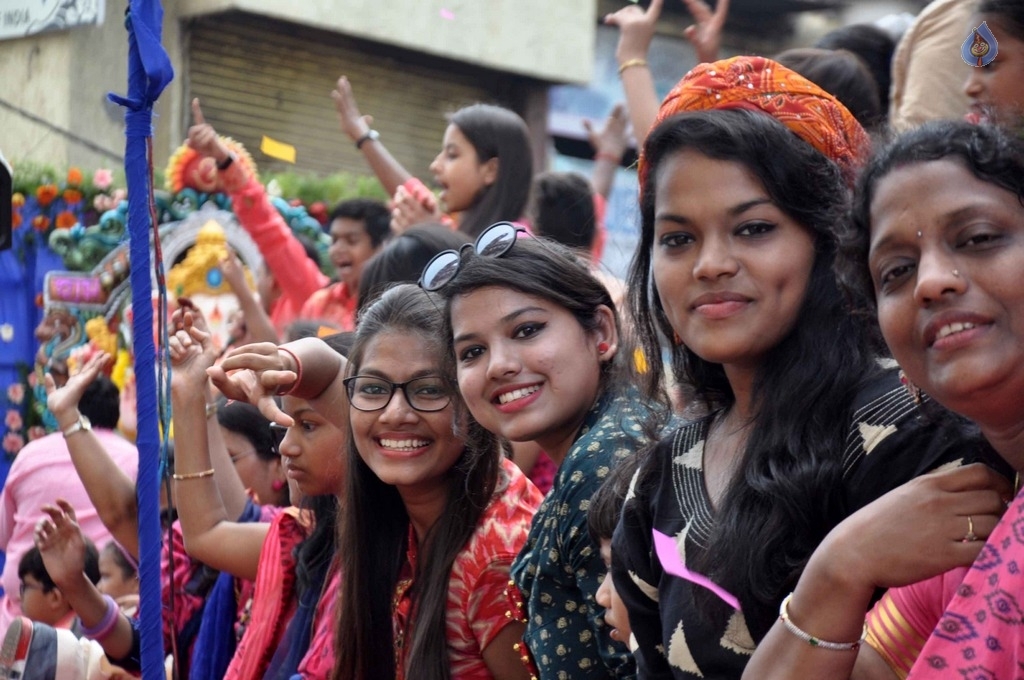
x=630, y=63
x=211, y=409
x=193, y=475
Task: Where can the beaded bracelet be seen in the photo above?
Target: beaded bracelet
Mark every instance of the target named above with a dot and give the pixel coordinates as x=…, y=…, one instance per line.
x=813, y=641
x=106, y=624
x=298, y=372
x=193, y=475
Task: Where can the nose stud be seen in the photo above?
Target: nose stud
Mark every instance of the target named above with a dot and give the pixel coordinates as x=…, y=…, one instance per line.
x=919, y=233
x=956, y=273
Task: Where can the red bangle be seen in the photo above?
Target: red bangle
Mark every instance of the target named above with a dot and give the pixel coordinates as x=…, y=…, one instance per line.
x=607, y=156
x=298, y=372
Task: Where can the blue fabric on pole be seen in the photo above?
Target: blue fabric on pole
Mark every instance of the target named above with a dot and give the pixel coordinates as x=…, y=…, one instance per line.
x=149, y=72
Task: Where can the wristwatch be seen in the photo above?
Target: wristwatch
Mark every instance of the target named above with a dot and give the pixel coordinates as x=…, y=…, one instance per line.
x=370, y=135
x=80, y=425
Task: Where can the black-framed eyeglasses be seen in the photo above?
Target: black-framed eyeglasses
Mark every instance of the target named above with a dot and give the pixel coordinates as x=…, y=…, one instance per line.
x=372, y=393
x=494, y=241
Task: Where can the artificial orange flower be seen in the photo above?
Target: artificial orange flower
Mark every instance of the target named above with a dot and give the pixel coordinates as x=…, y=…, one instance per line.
x=74, y=176
x=18, y=199
x=45, y=194
x=66, y=219
x=15, y=219
x=72, y=196
x=40, y=222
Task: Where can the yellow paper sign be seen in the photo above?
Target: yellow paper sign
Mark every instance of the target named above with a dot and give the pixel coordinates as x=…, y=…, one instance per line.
x=278, y=150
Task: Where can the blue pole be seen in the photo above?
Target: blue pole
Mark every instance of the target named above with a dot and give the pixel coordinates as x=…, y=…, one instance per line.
x=149, y=72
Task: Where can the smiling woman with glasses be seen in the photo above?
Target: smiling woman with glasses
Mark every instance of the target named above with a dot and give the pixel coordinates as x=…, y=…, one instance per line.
x=432, y=514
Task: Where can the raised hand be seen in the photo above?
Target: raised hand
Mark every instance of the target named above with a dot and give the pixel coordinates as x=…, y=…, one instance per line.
x=234, y=271
x=61, y=543
x=65, y=399
x=706, y=34
x=191, y=347
x=203, y=138
x=255, y=373
x=611, y=139
x=636, y=30
x=353, y=123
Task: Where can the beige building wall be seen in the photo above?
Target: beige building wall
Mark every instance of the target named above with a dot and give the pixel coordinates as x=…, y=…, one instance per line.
x=545, y=39
x=63, y=77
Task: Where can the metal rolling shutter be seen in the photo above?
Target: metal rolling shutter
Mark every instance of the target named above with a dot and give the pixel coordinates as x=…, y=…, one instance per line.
x=256, y=76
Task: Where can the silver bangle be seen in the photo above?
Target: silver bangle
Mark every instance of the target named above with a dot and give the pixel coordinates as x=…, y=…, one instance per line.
x=814, y=641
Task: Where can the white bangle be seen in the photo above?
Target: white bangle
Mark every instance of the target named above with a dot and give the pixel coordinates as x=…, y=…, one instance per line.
x=813, y=641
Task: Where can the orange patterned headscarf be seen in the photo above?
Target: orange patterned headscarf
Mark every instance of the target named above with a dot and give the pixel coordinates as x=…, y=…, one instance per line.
x=759, y=84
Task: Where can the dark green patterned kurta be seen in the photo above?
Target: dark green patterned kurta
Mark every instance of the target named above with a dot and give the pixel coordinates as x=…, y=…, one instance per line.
x=560, y=568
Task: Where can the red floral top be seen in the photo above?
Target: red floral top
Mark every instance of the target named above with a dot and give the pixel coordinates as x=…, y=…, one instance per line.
x=477, y=609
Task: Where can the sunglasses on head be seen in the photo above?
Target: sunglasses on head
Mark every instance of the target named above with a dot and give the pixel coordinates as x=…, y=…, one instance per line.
x=494, y=241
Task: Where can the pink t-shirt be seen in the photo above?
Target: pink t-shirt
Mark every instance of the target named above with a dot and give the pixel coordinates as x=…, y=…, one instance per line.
x=42, y=473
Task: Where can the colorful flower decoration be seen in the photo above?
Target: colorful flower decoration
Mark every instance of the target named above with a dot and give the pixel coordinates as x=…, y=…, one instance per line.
x=46, y=193
x=66, y=219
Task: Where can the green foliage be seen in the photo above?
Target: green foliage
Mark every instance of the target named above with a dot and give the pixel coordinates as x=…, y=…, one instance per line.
x=331, y=189
x=29, y=174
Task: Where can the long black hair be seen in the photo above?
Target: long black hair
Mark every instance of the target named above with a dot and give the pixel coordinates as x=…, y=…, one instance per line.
x=374, y=529
x=404, y=257
x=497, y=132
x=781, y=501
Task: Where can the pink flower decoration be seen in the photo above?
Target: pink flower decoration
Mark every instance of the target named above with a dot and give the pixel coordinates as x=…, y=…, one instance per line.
x=16, y=393
x=33, y=380
x=102, y=179
x=13, y=420
x=13, y=442
x=36, y=432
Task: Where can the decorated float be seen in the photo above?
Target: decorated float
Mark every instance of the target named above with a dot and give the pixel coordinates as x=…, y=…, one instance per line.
x=66, y=278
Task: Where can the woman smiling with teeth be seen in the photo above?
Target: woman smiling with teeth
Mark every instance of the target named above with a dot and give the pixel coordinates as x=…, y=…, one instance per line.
x=536, y=343
x=434, y=515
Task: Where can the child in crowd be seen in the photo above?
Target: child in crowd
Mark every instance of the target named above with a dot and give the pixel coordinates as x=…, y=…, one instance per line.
x=41, y=599
x=119, y=577
x=358, y=228
x=602, y=518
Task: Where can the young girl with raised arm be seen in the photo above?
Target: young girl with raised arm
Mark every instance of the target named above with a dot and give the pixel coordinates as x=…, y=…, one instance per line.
x=484, y=168
x=801, y=425
x=291, y=559
x=539, y=356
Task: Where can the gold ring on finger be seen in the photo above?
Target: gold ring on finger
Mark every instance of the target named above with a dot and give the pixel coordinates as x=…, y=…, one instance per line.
x=970, y=536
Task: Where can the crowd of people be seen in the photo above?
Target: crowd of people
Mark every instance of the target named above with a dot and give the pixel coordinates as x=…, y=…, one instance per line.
x=788, y=445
